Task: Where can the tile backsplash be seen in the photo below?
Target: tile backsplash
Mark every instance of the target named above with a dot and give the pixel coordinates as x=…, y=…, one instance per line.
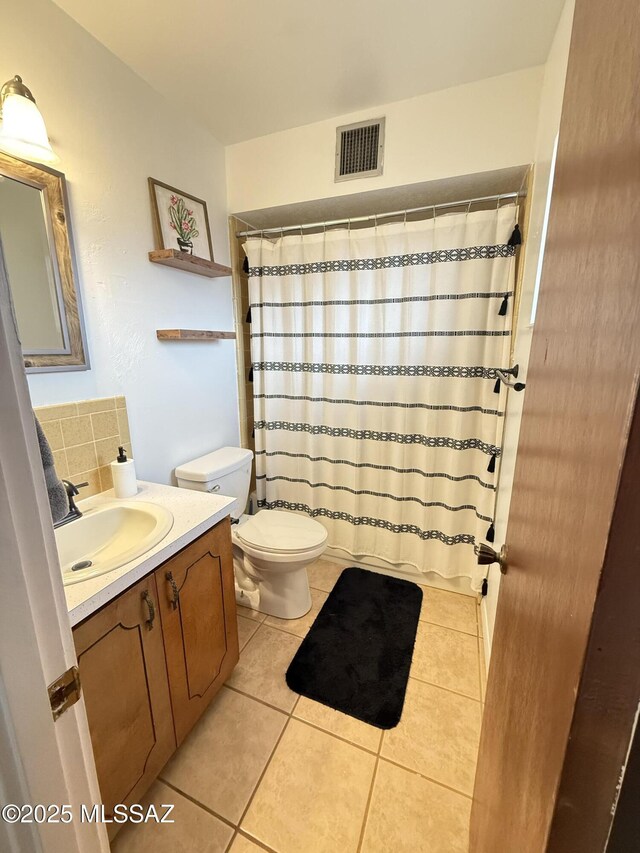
x=85, y=437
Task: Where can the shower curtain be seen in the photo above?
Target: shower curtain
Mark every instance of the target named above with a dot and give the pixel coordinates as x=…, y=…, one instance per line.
x=376, y=403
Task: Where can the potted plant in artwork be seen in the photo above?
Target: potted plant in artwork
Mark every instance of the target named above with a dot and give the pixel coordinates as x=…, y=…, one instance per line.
x=183, y=222
x=180, y=217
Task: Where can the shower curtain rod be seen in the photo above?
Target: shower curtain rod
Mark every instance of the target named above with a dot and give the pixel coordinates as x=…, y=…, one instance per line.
x=258, y=232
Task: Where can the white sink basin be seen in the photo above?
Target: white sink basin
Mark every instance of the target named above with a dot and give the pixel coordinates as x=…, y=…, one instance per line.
x=109, y=536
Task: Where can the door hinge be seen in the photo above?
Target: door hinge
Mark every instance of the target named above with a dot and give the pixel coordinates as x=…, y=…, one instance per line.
x=64, y=691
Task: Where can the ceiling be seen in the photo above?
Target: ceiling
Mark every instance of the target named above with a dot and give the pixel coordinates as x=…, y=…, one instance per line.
x=245, y=69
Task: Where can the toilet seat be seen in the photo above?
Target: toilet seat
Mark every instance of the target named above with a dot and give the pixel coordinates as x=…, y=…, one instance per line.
x=276, y=531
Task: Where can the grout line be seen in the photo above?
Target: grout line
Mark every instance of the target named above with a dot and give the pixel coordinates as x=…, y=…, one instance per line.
x=264, y=770
x=448, y=627
x=196, y=802
x=261, y=701
x=368, y=806
x=244, y=834
x=424, y=776
x=420, y=621
x=471, y=595
x=448, y=689
x=333, y=734
x=284, y=631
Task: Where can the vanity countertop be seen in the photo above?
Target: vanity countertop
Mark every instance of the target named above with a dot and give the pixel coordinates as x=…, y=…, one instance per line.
x=193, y=514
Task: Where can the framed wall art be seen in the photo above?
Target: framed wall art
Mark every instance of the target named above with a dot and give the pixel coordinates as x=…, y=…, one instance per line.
x=180, y=221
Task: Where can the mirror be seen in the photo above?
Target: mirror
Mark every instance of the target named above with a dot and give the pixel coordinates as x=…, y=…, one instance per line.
x=36, y=248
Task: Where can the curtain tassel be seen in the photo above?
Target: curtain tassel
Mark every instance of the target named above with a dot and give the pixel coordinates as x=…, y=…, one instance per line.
x=491, y=467
x=516, y=237
x=485, y=586
x=496, y=387
x=247, y=319
x=491, y=533
x=503, y=307
x=245, y=265
x=250, y=377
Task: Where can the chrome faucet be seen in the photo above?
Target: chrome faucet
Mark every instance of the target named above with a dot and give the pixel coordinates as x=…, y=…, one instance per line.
x=72, y=490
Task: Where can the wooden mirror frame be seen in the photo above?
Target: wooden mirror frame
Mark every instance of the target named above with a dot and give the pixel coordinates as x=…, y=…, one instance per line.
x=54, y=188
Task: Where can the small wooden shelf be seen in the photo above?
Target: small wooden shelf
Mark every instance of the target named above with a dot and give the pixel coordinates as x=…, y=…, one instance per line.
x=185, y=261
x=193, y=335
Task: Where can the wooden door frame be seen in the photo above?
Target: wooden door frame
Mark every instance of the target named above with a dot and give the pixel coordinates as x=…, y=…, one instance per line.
x=41, y=761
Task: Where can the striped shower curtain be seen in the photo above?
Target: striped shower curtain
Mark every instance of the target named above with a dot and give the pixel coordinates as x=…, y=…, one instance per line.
x=373, y=360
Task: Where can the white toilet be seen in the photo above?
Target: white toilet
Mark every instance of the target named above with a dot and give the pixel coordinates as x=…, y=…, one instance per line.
x=272, y=549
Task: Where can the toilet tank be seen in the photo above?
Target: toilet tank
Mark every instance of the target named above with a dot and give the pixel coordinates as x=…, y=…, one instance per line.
x=226, y=471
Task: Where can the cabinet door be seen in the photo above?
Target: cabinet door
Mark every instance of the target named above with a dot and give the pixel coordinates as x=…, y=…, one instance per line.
x=124, y=682
x=198, y=609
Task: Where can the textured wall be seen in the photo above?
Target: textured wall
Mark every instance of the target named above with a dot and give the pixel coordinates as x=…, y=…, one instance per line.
x=489, y=124
x=112, y=132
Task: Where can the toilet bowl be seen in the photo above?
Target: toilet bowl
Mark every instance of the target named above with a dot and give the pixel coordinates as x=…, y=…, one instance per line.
x=272, y=549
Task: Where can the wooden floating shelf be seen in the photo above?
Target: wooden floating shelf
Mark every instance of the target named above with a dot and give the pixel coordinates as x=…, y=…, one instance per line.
x=185, y=261
x=193, y=335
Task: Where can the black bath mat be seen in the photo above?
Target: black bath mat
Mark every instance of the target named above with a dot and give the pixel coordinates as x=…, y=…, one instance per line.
x=357, y=654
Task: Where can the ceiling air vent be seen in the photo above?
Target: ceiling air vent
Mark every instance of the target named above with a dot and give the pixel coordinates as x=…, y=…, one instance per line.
x=359, y=149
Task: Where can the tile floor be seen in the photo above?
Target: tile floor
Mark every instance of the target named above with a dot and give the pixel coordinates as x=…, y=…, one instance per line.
x=266, y=769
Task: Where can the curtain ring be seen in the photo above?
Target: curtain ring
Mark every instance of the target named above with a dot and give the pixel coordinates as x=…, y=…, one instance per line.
x=405, y=219
x=498, y=201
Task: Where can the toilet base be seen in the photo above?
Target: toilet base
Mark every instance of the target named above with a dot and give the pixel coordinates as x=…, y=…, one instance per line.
x=284, y=594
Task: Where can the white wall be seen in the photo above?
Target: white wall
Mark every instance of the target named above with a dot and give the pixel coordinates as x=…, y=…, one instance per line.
x=112, y=132
x=548, y=124
x=490, y=124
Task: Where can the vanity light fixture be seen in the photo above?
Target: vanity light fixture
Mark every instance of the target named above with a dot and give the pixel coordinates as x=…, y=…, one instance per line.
x=23, y=132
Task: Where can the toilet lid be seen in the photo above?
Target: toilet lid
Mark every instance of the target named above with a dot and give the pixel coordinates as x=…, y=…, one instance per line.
x=275, y=530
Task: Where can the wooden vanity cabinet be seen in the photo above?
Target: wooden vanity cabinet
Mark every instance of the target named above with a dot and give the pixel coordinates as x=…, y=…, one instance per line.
x=197, y=604
x=152, y=659
x=123, y=673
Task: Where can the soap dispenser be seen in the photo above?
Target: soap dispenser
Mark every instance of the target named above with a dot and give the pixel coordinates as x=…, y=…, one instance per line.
x=124, y=475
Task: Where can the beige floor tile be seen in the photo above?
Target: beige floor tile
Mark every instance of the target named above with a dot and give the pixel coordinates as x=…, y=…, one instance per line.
x=262, y=666
x=323, y=574
x=300, y=627
x=409, y=813
x=313, y=795
x=246, y=630
x=243, y=845
x=437, y=736
x=248, y=613
x=447, y=658
x=338, y=724
x=193, y=829
x=220, y=762
x=449, y=609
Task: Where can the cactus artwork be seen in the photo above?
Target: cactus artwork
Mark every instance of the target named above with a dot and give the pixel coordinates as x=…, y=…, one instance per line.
x=183, y=222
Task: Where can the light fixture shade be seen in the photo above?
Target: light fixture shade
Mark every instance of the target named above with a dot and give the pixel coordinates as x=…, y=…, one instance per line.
x=23, y=132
